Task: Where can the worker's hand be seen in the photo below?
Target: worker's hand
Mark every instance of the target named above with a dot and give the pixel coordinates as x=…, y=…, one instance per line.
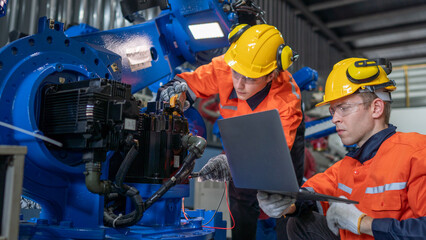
x=344, y=216
x=273, y=204
x=216, y=169
x=170, y=91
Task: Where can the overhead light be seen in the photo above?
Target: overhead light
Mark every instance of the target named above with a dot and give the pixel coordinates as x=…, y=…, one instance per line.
x=206, y=30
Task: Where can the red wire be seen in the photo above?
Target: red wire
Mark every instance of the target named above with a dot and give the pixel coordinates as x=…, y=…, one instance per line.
x=229, y=209
x=183, y=209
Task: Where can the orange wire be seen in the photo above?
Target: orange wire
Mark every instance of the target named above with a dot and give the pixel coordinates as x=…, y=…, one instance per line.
x=229, y=209
x=183, y=209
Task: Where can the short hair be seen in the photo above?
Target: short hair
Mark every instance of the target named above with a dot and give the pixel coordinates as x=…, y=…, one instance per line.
x=368, y=97
x=275, y=73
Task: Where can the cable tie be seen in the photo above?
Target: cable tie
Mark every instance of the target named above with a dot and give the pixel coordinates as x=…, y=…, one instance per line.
x=119, y=216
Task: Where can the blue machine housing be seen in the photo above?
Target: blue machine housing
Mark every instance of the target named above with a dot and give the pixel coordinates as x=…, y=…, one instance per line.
x=69, y=210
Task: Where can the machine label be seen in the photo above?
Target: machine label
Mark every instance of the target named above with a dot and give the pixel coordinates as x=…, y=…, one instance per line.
x=139, y=57
x=176, y=161
x=130, y=124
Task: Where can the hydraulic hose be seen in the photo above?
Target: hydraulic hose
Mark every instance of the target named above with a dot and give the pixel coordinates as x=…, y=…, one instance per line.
x=183, y=173
x=115, y=221
x=125, y=165
x=111, y=219
x=196, y=146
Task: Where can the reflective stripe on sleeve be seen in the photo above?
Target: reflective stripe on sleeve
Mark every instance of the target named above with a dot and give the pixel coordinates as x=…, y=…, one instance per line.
x=293, y=89
x=386, y=187
x=345, y=188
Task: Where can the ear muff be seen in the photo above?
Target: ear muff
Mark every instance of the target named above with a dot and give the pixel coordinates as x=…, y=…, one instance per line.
x=366, y=71
x=236, y=32
x=285, y=57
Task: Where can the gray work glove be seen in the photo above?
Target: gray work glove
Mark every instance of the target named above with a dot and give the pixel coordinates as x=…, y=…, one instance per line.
x=216, y=169
x=170, y=91
x=344, y=216
x=273, y=204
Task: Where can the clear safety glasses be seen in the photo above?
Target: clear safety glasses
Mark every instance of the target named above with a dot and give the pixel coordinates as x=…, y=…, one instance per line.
x=344, y=109
x=245, y=79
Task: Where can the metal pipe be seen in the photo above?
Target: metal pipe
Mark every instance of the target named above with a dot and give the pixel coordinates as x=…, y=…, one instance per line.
x=33, y=17
x=407, y=91
x=93, y=179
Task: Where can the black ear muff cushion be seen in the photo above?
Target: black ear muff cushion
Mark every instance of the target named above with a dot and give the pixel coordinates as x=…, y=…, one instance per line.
x=279, y=54
x=285, y=57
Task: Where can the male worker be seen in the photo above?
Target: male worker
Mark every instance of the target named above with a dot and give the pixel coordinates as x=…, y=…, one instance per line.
x=386, y=174
x=250, y=77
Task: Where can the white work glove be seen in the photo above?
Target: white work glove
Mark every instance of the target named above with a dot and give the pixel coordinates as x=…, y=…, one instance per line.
x=216, y=169
x=344, y=216
x=273, y=204
x=170, y=91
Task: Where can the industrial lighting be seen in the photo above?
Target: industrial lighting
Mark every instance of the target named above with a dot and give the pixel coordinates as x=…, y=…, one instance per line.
x=206, y=30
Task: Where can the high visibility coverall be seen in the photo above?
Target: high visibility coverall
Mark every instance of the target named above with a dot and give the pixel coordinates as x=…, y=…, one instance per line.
x=387, y=176
x=282, y=94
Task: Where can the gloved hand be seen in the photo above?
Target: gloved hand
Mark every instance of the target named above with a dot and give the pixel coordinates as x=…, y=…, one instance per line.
x=216, y=169
x=274, y=205
x=170, y=91
x=344, y=216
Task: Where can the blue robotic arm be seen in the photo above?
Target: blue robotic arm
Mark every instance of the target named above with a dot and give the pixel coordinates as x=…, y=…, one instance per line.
x=76, y=88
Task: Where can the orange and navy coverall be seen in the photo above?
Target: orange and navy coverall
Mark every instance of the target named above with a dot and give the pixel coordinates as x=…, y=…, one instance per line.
x=387, y=176
x=282, y=94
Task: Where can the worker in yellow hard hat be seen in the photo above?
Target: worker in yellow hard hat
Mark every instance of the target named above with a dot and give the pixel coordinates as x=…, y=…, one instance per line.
x=386, y=173
x=250, y=77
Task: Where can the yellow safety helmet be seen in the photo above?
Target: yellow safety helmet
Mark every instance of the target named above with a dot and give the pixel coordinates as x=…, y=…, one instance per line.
x=357, y=74
x=257, y=50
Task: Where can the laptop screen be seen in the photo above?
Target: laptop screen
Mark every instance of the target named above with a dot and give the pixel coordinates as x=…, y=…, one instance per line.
x=257, y=152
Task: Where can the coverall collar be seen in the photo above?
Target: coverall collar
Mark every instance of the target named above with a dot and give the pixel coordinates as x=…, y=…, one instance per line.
x=256, y=99
x=370, y=148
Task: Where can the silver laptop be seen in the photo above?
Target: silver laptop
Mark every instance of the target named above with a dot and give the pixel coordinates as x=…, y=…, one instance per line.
x=259, y=157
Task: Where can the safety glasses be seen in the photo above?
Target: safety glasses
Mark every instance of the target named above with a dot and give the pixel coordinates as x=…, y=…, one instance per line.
x=344, y=109
x=245, y=79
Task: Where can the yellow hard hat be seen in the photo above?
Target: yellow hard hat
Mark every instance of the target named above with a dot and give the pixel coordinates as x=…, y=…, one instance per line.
x=257, y=50
x=357, y=74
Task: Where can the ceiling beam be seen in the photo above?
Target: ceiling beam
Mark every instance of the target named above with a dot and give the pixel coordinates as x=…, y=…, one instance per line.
x=408, y=57
x=392, y=45
x=326, y=31
x=333, y=4
x=384, y=15
x=384, y=31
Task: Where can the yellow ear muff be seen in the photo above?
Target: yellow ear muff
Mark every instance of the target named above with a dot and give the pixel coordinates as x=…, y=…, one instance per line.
x=236, y=32
x=285, y=57
x=363, y=71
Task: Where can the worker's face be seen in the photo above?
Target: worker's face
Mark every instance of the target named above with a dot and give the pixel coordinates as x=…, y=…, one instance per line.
x=354, y=122
x=247, y=87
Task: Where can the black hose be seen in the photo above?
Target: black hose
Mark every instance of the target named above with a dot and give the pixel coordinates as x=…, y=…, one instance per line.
x=113, y=220
x=116, y=221
x=183, y=173
x=125, y=165
x=110, y=218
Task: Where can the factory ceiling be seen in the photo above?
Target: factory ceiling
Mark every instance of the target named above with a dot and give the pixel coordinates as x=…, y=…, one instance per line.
x=395, y=29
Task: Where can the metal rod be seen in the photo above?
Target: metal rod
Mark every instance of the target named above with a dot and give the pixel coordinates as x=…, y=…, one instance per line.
x=407, y=91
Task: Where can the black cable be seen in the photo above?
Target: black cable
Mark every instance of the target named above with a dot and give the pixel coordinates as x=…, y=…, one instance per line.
x=223, y=194
x=125, y=165
x=183, y=173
